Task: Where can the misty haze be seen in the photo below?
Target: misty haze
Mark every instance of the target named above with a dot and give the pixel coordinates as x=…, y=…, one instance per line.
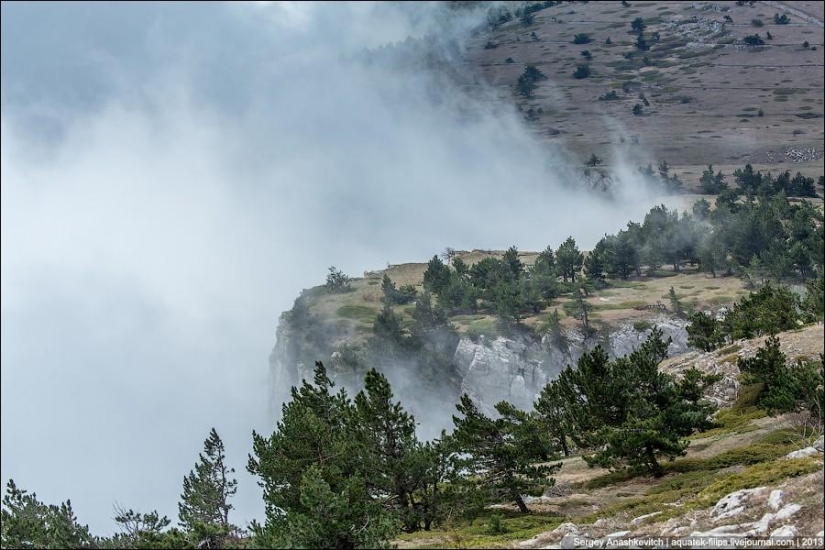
x=413, y=270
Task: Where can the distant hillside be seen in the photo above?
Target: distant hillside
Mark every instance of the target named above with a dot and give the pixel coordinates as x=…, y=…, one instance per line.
x=706, y=96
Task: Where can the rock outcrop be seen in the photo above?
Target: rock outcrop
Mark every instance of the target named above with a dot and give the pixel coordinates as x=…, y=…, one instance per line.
x=516, y=369
x=513, y=368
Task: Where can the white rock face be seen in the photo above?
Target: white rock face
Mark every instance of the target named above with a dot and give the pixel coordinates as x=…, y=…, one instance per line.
x=787, y=511
x=516, y=369
x=803, y=453
x=567, y=529
x=626, y=339
x=775, y=500
x=734, y=503
x=761, y=527
x=513, y=370
x=784, y=531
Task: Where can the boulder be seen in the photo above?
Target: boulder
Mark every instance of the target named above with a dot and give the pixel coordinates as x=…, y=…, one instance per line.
x=775, y=500
x=734, y=503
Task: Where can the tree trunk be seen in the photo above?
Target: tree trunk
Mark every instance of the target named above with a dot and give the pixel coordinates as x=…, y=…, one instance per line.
x=653, y=464
x=522, y=507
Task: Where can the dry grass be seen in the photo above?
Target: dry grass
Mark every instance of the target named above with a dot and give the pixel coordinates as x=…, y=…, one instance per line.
x=723, y=83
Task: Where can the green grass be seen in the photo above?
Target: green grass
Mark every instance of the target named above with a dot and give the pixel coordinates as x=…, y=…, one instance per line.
x=475, y=533
x=485, y=326
x=628, y=304
x=738, y=418
x=642, y=326
x=618, y=283
x=364, y=314
x=702, y=489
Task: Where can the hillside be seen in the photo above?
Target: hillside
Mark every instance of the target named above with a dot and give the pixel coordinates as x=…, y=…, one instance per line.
x=613, y=305
x=746, y=452
x=712, y=99
x=501, y=326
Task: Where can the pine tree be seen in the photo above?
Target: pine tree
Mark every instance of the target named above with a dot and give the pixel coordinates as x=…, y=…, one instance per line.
x=314, y=470
x=149, y=530
x=204, y=506
x=340, y=515
x=386, y=434
x=553, y=416
x=29, y=523
x=600, y=258
x=569, y=259
x=675, y=303
x=501, y=453
x=655, y=413
x=437, y=276
x=704, y=332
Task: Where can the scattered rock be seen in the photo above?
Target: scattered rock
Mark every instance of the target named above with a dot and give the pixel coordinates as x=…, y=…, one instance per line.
x=570, y=541
x=640, y=519
x=775, y=500
x=761, y=526
x=733, y=504
x=787, y=511
x=721, y=530
x=567, y=529
x=784, y=531
x=802, y=453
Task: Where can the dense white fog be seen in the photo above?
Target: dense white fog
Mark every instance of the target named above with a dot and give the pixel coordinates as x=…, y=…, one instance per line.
x=174, y=174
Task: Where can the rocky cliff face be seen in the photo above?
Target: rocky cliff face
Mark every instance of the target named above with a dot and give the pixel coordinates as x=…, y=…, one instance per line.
x=516, y=369
x=513, y=368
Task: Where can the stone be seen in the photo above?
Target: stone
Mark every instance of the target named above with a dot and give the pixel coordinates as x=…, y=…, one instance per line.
x=787, y=511
x=721, y=530
x=567, y=529
x=640, y=519
x=784, y=531
x=733, y=504
x=761, y=527
x=803, y=453
x=570, y=541
x=775, y=500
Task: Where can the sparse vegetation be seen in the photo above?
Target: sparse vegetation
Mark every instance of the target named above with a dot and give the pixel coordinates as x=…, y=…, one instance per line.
x=337, y=281
x=753, y=40
x=582, y=71
x=527, y=82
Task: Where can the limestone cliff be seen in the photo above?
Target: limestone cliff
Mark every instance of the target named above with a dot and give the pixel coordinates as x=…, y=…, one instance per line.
x=514, y=368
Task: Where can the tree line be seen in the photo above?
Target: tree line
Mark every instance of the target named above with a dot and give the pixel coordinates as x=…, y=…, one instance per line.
x=758, y=238
x=342, y=472
x=348, y=472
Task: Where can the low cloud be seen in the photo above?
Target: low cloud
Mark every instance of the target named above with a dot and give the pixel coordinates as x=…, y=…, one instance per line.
x=174, y=174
